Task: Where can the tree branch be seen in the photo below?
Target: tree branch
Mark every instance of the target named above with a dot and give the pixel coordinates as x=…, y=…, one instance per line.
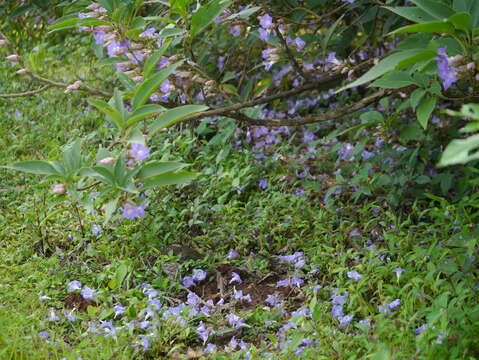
x=308, y=119
x=26, y=93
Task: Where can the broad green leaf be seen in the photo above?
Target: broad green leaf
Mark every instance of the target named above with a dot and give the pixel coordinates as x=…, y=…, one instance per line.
x=425, y=109
x=152, y=61
x=120, y=173
x=159, y=167
x=169, y=178
x=245, y=13
x=329, y=34
x=136, y=137
x=206, y=14
x=109, y=209
x=394, y=80
x=471, y=127
x=422, y=56
x=412, y=13
x=384, y=66
x=180, y=6
x=172, y=116
x=108, y=110
x=170, y=32
x=126, y=81
x=100, y=173
x=39, y=167
x=159, y=18
x=428, y=27
x=117, y=103
x=462, y=21
x=460, y=151
x=435, y=8
x=66, y=22
x=416, y=96
x=93, y=22
x=72, y=158
x=143, y=112
x=149, y=86
x=470, y=111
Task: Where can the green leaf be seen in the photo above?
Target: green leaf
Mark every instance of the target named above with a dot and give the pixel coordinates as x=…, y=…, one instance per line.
x=109, y=209
x=149, y=86
x=152, y=61
x=435, y=8
x=329, y=34
x=394, y=80
x=460, y=151
x=120, y=173
x=172, y=116
x=159, y=167
x=243, y=14
x=170, y=32
x=108, y=110
x=412, y=13
x=462, y=21
x=72, y=158
x=428, y=27
x=66, y=22
x=416, y=96
x=101, y=173
x=159, y=18
x=387, y=64
x=413, y=60
x=425, y=109
x=136, y=137
x=143, y=112
x=126, y=81
x=169, y=178
x=39, y=167
x=117, y=103
x=471, y=127
x=93, y=22
x=180, y=6
x=206, y=15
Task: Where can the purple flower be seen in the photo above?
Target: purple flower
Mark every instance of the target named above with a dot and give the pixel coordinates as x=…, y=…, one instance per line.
x=365, y=322
x=99, y=37
x=300, y=43
x=69, y=315
x=235, y=321
x=167, y=87
x=337, y=311
x=203, y=332
x=88, y=293
x=446, y=72
x=273, y=300
x=235, y=278
x=345, y=153
x=263, y=34
x=210, y=348
x=198, y=275
x=393, y=304
x=284, y=283
x=139, y=152
x=144, y=342
x=43, y=334
x=188, y=282
x=266, y=21
x=233, y=254
x=73, y=286
x=295, y=281
x=119, y=309
x=149, y=33
x=398, y=272
x=350, y=1
x=96, y=229
x=343, y=320
x=193, y=299
x=235, y=30
x=421, y=329
x=131, y=211
x=263, y=183
x=354, y=275
x=53, y=316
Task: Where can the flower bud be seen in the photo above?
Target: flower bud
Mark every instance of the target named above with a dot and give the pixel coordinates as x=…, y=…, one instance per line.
x=136, y=46
x=14, y=58
x=104, y=28
x=22, y=71
x=137, y=79
x=471, y=66
x=107, y=161
x=93, y=6
x=59, y=189
x=477, y=77
x=3, y=42
x=455, y=59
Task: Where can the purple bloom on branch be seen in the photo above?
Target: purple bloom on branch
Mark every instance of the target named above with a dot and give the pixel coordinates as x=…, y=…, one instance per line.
x=88, y=293
x=139, y=152
x=132, y=211
x=354, y=275
x=266, y=21
x=74, y=285
x=199, y=275
x=446, y=72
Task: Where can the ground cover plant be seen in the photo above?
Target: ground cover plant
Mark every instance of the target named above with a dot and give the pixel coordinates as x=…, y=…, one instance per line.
x=239, y=180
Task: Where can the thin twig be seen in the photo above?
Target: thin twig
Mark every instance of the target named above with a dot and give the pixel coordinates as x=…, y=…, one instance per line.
x=26, y=93
x=328, y=115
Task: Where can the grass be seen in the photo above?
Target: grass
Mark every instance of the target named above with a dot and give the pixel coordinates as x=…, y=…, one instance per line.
x=42, y=250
